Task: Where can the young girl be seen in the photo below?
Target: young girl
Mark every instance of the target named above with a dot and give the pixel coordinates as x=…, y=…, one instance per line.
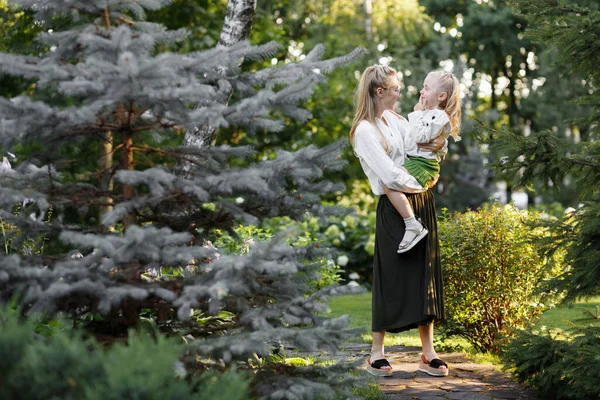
x=437, y=113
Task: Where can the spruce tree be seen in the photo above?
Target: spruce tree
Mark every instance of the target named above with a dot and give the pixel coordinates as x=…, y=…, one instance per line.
x=572, y=31
x=94, y=186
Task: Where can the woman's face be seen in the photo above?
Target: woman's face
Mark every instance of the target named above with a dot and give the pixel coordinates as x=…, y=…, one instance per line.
x=390, y=93
x=429, y=93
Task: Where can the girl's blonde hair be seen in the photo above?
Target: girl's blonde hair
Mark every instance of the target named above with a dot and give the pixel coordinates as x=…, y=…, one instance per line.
x=447, y=83
x=374, y=77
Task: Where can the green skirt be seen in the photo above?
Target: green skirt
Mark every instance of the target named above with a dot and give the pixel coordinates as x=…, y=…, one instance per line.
x=423, y=169
x=407, y=288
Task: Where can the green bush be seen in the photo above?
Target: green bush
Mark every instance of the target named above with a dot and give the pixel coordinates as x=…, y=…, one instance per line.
x=561, y=365
x=492, y=273
x=65, y=366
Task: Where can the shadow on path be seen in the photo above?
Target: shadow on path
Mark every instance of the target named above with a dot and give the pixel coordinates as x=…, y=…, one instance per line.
x=466, y=380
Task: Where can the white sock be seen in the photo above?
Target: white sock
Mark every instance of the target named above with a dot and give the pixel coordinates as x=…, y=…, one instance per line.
x=412, y=223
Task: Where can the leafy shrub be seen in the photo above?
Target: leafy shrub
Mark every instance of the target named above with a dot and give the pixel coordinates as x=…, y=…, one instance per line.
x=492, y=273
x=561, y=365
x=65, y=366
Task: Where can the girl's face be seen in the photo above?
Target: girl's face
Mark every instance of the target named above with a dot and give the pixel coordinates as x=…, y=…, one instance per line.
x=430, y=94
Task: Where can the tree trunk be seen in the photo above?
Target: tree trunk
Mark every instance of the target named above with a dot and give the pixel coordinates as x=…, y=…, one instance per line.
x=513, y=108
x=106, y=181
x=239, y=19
x=238, y=22
x=368, y=4
x=106, y=160
x=494, y=102
x=127, y=165
x=372, y=46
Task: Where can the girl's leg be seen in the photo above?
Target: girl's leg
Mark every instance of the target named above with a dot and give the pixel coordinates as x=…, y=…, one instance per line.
x=415, y=231
x=400, y=202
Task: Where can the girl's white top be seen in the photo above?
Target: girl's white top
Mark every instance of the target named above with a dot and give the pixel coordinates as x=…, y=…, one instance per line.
x=382, y=168
x=425, y=126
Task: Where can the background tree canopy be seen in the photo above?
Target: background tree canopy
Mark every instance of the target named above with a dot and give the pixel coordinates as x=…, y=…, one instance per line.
x=505, y=78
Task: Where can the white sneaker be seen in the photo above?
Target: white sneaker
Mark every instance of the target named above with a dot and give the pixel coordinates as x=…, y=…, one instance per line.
x=411, y=238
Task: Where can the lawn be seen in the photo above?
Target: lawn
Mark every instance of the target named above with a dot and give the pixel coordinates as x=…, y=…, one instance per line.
x=358, y=307
x=582, y=312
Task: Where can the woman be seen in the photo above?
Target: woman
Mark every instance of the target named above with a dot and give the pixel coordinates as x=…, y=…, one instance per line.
x=407, y=287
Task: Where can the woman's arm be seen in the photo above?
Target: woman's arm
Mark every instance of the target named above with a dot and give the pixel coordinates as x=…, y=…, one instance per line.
x=439, y=145
x=368, y=147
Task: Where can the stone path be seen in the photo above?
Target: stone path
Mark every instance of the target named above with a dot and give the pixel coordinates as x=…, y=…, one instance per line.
x=466, y=380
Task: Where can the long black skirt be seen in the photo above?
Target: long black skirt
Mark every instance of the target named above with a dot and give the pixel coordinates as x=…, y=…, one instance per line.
x=407, y=288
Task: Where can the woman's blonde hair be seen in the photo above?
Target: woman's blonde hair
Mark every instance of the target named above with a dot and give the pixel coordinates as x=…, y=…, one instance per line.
x=447, y=83
x=374, y=77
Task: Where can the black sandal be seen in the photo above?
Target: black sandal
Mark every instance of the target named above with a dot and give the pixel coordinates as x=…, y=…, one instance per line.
x=376, y=367
x=433, y=367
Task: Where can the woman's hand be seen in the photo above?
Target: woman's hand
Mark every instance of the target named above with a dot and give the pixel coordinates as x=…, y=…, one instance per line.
x=421, y=105
x=435, y=145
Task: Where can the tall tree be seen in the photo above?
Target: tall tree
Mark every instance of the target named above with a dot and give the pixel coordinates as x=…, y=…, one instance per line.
x=562, y=367
x=572, y=32
x=104, y=74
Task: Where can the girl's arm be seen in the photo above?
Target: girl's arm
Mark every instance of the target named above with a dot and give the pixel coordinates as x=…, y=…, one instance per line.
x=426, y=125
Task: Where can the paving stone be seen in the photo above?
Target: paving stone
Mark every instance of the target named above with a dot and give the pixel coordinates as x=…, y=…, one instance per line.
x=506, y=386
x=415, y=385
x=451, y=387
x=425, y=391
x=464, y=387
x=478, y=383
x=395, y=396
x=497, y=378
x=393, y=381
x=504, y=394
x=403, y=374
x=468, y=375
x=436, y=380
x=468, y=396
x=472, y=388
x=402, y=349
x=474, y=367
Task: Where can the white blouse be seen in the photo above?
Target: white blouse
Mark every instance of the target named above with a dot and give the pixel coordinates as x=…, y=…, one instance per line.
x=380, y=167
x=424, y=126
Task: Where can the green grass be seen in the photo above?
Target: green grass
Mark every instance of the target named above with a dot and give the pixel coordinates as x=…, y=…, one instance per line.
x=370, y=392
x=358, y=307
x=582, y=312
